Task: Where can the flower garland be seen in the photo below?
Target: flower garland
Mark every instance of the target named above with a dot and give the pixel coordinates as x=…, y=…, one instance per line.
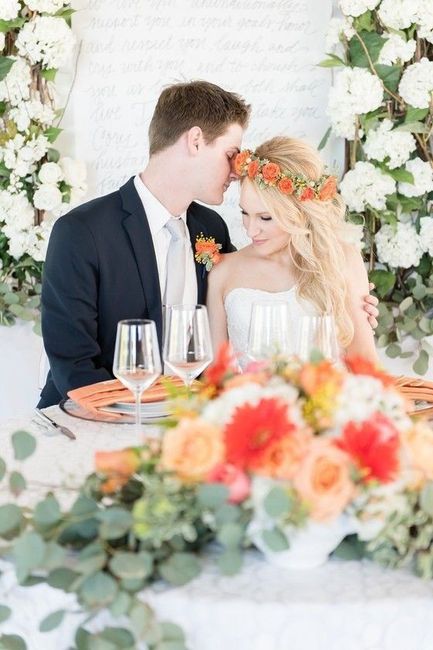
x=381, y=103
x=36, y=184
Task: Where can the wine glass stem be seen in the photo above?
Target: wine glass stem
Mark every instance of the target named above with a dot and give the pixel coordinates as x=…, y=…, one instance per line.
x=138, y=410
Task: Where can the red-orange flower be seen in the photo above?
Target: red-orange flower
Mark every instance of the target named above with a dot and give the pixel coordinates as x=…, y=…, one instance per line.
x=328, y=189
x=313, y=376
x=285, y=185
x=118, y=466
x=206, y=246
x=361, y=366
x=223, y=366
x=240, y=160
x=307, y=194
x=253, y=429
x=253, y=168
x=270, y=172
x=374, y=445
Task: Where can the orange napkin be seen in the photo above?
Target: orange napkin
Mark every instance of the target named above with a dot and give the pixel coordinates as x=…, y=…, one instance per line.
x=104, y=393
x=415, y=389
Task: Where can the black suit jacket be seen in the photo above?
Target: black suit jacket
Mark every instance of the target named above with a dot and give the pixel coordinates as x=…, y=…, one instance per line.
x=101, y=268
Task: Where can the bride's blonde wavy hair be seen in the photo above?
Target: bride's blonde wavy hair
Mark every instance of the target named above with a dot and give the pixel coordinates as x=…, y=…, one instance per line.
x=317, y=231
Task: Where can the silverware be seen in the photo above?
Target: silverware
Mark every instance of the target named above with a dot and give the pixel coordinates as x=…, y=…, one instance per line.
x=59, y=427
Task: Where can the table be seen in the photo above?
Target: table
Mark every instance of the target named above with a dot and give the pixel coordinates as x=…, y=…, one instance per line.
x=340, y=606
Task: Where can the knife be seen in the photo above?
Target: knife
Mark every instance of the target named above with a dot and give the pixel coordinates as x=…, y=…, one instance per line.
x=62, y=429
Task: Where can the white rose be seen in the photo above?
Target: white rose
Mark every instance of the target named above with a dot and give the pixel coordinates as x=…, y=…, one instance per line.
x=47, y=197
x=74, y=172
x=50, y=173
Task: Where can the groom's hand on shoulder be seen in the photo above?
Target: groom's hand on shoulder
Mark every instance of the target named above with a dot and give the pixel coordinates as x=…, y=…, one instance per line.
x=370, y=306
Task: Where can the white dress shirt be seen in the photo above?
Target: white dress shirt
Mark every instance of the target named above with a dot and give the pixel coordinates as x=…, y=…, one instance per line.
x=157, y=217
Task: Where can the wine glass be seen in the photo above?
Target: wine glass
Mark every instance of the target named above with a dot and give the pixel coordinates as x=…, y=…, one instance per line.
x=270, y=332
x=187, y=342
x=137, y=362
x=317, y=334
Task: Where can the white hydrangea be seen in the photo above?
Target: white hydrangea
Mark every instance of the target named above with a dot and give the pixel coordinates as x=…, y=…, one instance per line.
x=416, y=84
x=357, y=7
x=422, y=175
x=337, y=27
x=17, y=240
x=25, y=112
x=15, y=87
x=399, y=247
x=47, y=40
x=47, y=197
x=356, y=91
x=426, y=235
x=396, y=50
x=398, y=14
x=17, y=212
x=46, y=6
x=9, y=9
x=2, y=41
x=425, y=20
x=37, y=241
x=20, y=156
x=50, y=173
x=365, y=185
x=382, y=142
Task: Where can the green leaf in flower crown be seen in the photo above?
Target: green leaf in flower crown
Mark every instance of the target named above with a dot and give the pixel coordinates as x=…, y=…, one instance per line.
x=12, y=642
x=426, y=498
x=49, y=74
x=230, y=535
x=180, y=568
x=115, y=523
x=47, y=513
x=52, y=133
x=11, y=518
x=230, y=562
x=277, y=502
x=275, y=540
x=372, y=42
x=421, y=364
x=23, y=444
x=390, y=75
x=401, y=175
x=131, y=565
x=5, y=612
x=415, y=114
x=28, y=552
x=384, y=281
x=98, y=590
x=5, y=65
x=212, y=495
x=52, y=621
x=17, y=483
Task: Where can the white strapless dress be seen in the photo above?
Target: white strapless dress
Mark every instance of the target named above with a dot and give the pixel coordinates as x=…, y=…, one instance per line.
x=239, y=303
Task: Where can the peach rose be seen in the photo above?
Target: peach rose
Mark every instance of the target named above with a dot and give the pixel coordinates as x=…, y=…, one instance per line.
x=307, y=194
x=314, y=376
x=234, y=479
x=118, y=466
x=283, y=458
x=418, y=443
x=270, y=172
x=260, y=378
x=328, y=189
x=285, y=186
x=240, y=160
x=253, y=168
x=323, y=480
x=192, y=449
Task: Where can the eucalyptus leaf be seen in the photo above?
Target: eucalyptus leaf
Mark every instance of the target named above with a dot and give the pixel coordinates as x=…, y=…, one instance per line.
x=393, y=350
x=230, y=535
x=54, y=556
x=275, y=540
x=2, y=468
x=405, y=304
x=52, y=621
x=230, y=562
x=47, y=513
x=61, y=578
x=180, y=568
x=212, y=495
x=426, y=499
x=98, y=590
x=52, y=133
x=277, y=502
x=12, y=642
x=121, y=604
x=11, y=518
x=118, y=636
x=141, y=617
x=115, y=523
x=171, y=632
x=131, y=565
x=421, y=364
x=17, y=483
x=28, y=553
x=24, y=444
x=5, y=613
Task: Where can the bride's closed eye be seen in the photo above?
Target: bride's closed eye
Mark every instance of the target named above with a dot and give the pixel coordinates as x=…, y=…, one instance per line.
x=262, y=217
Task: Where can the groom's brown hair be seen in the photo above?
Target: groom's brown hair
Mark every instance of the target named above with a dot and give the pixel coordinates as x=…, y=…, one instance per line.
x=196, y=103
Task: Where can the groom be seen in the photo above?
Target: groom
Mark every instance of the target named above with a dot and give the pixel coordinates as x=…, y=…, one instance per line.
x=123, y=255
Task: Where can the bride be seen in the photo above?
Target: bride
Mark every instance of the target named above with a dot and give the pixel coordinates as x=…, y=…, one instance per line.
x=300, y=250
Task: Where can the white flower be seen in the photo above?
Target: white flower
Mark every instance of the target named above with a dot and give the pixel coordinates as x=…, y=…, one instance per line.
x=2, y=41
x=398, y=247
x=376, y=505
x=46, y=6
x=398, y=14
x=50, y=172
x=37, y=241
x=362, y=396
x=17, y=240
x=74, y=172
x=15, y=87
x=32, y=110
x=425, y=20
x=338, y=27
x=422, y=175
x=47, y=197
x=382, y=142
x=356, y=91
x=18, y=212
x=416, y=84
x=365, y=185
x=47, y=40
x=396, y=50
x=357, y=7
x=9, y=9
x=426, y=235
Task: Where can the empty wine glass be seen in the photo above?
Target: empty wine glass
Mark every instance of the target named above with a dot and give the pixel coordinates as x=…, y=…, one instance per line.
x=187, y=342
x=317, y=334
x=137, y=362
x=270, y=331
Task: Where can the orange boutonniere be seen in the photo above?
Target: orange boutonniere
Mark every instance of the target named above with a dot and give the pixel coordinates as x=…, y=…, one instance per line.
x=207, y=252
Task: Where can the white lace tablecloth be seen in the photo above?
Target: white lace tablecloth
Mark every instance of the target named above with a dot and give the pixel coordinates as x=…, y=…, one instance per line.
x=340, y=606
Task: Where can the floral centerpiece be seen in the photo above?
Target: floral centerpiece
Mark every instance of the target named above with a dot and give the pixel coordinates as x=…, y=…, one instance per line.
x=381, y=102
x=37, y=185
x=295, y=459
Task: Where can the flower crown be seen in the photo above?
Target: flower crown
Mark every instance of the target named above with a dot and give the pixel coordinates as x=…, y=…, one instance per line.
x=269, y=174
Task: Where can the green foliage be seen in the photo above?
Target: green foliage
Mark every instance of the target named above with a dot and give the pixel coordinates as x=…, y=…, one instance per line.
x=24, y=444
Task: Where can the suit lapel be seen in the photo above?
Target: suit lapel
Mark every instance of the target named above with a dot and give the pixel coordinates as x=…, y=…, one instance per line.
x=138, y=231
x=196, y=227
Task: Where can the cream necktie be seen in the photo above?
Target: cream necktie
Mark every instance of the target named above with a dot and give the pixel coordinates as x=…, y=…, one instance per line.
x=176, y=262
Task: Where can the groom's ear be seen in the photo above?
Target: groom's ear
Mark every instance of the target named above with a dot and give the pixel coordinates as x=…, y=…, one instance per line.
x=194, y=139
